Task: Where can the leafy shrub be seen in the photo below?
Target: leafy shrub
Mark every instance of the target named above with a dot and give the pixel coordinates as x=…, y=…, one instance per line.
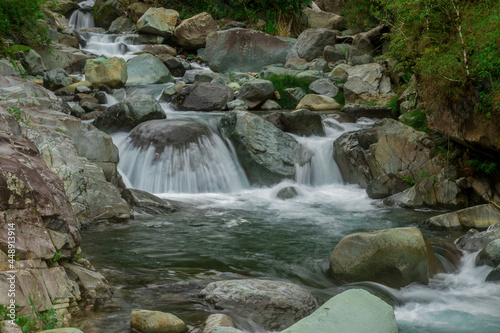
x=282, y=82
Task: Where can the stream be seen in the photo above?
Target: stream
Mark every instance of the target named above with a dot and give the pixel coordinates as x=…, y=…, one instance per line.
x=226, y=229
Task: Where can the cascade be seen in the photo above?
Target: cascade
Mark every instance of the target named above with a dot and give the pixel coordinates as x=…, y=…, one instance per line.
x=82, y=18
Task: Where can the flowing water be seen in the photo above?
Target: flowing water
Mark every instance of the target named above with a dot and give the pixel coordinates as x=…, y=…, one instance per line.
x=82, y=18
x=226, y=229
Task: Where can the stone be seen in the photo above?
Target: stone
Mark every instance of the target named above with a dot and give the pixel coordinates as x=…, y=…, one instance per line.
x=474, y=240
x=318, y=103
x=333, y=54
x=158, y=21
x=490, y=255
x=237, y=103
x=270, y=105
x=170, y=91
x=10, y=327
x=320, y=65
x=62, y=330
x=367, y=111
x=362, y=60
x=254, y=93
x=321, y=19
x=324, y=87
x=177, y=66
x=137, y=10
x=203, y=96
x=354, y=310
x=144, y=203
x=340, y=71
x=295, y=94
x=333, y=6
x=220, y=320
x=130, y=112
x=234, y=24
x=62, y=56
x=478, y=217
x=71, y=89
x=159, y=50
x=192, y=33
x=393, y=257
x=310, y=76
x=69, y=40
x=365, y=82
x=303, y=122
x=267, y=154
x=109, y=71
x=220, y=329
x=370, y=42
x=288, y=192
x=385, y=186
x=311, y=43
x=33, y=63
x=494, y=275
x=64, y=7
x=6, y=68
x=146, y=321
x=55, y=79
x=147, y=69
x=121, y=25
x=106, y=11
x=243, y=50
x=83, y=89
x=271, y=304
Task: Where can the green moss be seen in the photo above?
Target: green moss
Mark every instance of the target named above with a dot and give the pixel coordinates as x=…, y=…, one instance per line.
x=282, y=82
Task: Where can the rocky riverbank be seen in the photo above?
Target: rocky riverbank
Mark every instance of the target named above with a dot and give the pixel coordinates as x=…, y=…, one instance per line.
x=59, y=170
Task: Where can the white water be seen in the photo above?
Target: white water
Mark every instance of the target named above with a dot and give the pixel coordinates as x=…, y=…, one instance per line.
x=80, y=20
x=112, y=45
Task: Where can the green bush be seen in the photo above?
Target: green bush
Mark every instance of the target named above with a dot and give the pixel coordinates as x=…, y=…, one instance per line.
x=282, y=82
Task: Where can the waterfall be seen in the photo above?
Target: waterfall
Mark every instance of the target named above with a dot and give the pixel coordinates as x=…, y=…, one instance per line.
x=82, y=18
x=111, y=45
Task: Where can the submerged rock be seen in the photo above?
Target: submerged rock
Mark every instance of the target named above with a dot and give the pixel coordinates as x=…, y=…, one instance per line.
x=143, y=202
x=354, y=310
x=393, y=257
x=288, y=192
x=146, y=321
x=267, y=154
x=271, y=304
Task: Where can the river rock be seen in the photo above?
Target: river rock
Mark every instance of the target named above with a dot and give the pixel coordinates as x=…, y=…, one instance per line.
x=121, y=25
x=490, y=255
x=370, y=42
x=192, y=33
x=33, y=63
x=478, y=217
x=393, y=257
x=267, y=154
x=130, y=112
x=474, y=240
x=288, y=192
x=137, y=10
x=321, y=19
x=160, y=50
x=303, y=122
x=354, y=310
x=147, y=69
x=106, y=11
x=56, y=78
x=170, y=91
x=268, y=105
x=340, y=71
x=494, y=275
x=385, y=186
x=203, y=96
x=158, y=21
x=254, y=93
x=318, y=103
x=143, y=202
x=6, y=68
x=311, y=43
x=109, y=71
x=333, y=6
x=64, y=7
x=146, y=321
x=242, y=50
x=324, y=87
x=177, y=66
x=367, y=111
x=61, y=56
x=271, y=304
x=310, y=76
x=219, y=320
x=365, y=82
x=333, y=54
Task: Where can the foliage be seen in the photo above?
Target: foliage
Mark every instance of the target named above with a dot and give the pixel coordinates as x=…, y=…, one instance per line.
x=282, y=82
x=416, y=119
x=56, y=257
x=9, y=52
x=19, y=22
x=16, y=112
x=424, y=173
x=340, y=98
x=486, y=166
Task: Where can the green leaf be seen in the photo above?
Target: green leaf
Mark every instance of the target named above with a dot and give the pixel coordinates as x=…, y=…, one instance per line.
x=18, y=48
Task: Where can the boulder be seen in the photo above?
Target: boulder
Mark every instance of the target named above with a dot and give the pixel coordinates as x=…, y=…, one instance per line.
x=370, y=42
x=303, y=122
x=324, y=87
x=144, y=203
x=33, y=63
x=333, y=6
x=158, y=21
x=270, y=304
x=490, y=255
x=203, y=96
x=393, y=257
x=160, y=50
x=310, y=76
x=367, y=111
x=137, y=10
x=130, y=112
x=267, y=154
x=340, y=71
x=68, y=40
x=55, y=79
x=109, y=71
x=170, y=91
x=321, y=19
x=121, y=25
x=243, y=50
x=494, y=275
x=58, y=55
x=318, y=103
x=320, y=65
x=362, y=60
x=385, y=186
x=365, y=82
x=288, y=192
x=106, y=11
x=333, y=54
x=218, y=319
x=269, y=105
x=311, y=43
x=254, y=93
x=354, y=310
x=146, y=321
x=6, y=68
x=192, y=33
x=147, y=69
x=64, y=7
x=474, y=240
x=478, y=217
x=177, y=66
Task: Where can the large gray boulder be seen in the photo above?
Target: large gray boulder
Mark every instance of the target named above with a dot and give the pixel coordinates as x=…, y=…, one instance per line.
x=242, y=50
x=393, y=257
x=271, y=304
x=121, y=25
x=354, y=310
x=58, y=55
x=147, y=69
x=55, y=79
x=311, y=43
x=365, y=82
x=254, y=93
x=300, y=122
x=111, y=72
x=324, y=87
x=321, y=19
x=147, y=321
x=130, y=112
x=203, y=96
x=333, y=6
x=33, y=63
x=267, y=154
x=158, y=21
x=106, y=11
x=490, y=255
x=474, y=240
x=192, y=33
x=478, y=217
